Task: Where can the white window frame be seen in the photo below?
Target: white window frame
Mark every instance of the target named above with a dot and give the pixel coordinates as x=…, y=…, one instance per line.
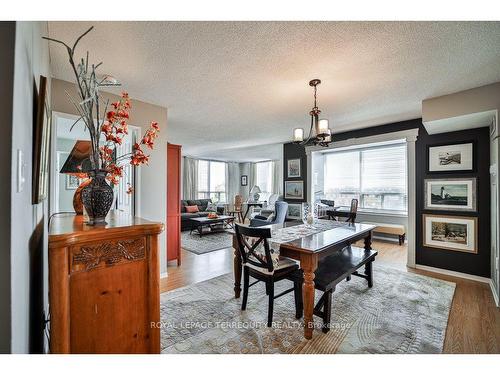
x=207, y=193
x=360, y=149
x=267, y=193
x=410, y=136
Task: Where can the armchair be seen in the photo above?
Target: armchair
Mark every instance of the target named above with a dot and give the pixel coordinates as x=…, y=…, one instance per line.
x=280, y=211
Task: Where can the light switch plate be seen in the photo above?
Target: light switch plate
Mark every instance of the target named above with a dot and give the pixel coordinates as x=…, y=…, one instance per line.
x=21, y=168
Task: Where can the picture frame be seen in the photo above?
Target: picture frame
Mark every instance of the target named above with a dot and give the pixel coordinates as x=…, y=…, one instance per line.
x=293, y=168
x=457, y=233
x=244, y=180
x=41, y=145
x=294, y=189
x=452, y=157
x=294, y=211
x=71, y=182
x=450, y=194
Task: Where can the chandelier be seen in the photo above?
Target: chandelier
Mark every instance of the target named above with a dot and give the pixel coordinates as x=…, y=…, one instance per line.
x=319, y=132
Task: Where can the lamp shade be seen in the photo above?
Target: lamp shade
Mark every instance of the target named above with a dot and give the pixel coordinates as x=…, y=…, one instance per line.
x=255, y=190
x=298, y=135
x=322, y=126
x=78, y=160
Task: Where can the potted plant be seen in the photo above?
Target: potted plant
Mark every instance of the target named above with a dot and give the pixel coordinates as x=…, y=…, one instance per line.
x=107, y=124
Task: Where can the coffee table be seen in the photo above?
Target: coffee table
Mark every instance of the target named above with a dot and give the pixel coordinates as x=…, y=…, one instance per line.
x=201, y=222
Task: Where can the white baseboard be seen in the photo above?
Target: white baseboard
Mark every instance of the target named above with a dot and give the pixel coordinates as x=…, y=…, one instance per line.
x=163, y=275
x=453, y=273
x=495, y=293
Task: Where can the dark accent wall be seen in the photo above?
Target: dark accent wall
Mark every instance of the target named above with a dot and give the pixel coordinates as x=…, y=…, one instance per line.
x=294, y=151
x=475, y=264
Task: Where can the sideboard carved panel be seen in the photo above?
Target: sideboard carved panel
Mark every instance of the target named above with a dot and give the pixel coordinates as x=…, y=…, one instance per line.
x=109, y=253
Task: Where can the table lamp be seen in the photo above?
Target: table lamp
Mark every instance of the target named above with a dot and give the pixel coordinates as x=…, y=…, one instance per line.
x=77, y=164
x=254, y=193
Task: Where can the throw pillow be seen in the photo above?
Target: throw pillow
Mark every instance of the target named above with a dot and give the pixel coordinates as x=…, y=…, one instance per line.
x=211, y=207
x=192, y=209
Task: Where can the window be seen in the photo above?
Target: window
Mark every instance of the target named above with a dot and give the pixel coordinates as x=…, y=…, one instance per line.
x=212, y=180
x=264, y=179
x=376, y=176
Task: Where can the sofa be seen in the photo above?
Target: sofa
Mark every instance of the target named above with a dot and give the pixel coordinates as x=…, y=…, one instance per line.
x=186, y=223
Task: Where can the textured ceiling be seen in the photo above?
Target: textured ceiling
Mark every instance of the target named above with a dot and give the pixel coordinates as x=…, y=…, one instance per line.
x=243, y=84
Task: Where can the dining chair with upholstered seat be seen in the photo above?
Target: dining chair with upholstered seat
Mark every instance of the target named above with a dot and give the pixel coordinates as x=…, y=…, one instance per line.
x=278, y=217
x=261, y=262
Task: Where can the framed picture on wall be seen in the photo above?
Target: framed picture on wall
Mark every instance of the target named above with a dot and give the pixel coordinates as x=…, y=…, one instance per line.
x=244, y=180
x=450, y=194
x=41, y=145
x=72, y=182
x=293, y=168
x=458, y=233
x=294, y=211
x=294, y=189
x=451, y=157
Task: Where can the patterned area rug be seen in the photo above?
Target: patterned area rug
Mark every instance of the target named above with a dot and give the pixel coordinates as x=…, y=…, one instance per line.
x=402, y=313
x=207, y=243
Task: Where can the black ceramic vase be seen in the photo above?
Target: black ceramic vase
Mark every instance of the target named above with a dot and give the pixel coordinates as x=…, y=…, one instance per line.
x=97, y=197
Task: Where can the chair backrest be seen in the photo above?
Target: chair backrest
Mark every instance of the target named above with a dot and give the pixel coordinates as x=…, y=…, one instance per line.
x=247, y=249
x=354, y=206
x=280, y=212
x=238, y=201
x=273, y=198
x=353, y=211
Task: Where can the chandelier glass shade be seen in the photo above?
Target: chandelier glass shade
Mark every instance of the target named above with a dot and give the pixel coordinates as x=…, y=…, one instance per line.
x=319, y=131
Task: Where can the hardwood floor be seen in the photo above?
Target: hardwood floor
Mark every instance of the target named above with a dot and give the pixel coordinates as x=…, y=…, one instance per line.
x=474, y=321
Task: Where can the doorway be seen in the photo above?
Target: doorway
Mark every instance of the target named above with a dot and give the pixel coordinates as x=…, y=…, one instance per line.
x=66, y=131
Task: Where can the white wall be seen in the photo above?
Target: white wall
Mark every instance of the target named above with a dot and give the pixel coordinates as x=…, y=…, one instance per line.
x=28, y=222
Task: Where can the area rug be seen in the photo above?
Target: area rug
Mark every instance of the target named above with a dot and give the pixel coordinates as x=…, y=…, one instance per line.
x=206, y=243
x=402, y=313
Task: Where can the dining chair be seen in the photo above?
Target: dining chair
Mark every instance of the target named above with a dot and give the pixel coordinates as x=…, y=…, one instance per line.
x=278, y=216
x=237, y=208
x=353, y=211
x=349, y=215
x=264, y=264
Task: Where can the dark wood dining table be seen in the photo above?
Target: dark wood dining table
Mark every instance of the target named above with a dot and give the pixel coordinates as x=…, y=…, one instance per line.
x=308, y=251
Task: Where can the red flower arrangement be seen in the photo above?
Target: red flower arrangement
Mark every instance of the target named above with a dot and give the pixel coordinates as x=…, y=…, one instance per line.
x=115, y=128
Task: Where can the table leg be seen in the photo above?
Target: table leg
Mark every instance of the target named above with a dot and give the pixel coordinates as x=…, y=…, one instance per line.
x=246, y=213
x=237, y=270
x=368, y=241
x=308, y=263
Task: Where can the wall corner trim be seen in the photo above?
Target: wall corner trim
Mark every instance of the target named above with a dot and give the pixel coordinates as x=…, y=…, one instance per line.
x=495, y=293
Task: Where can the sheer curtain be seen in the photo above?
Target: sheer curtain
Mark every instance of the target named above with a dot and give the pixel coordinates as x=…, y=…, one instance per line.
x=277, y=173
x=190, y=178
x=232, y=181
x=252, y=176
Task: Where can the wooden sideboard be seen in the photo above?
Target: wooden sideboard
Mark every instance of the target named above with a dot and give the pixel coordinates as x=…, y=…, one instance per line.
x=104, y=285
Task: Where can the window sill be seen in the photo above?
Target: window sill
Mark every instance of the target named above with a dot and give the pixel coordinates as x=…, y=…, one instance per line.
x=382, y=213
